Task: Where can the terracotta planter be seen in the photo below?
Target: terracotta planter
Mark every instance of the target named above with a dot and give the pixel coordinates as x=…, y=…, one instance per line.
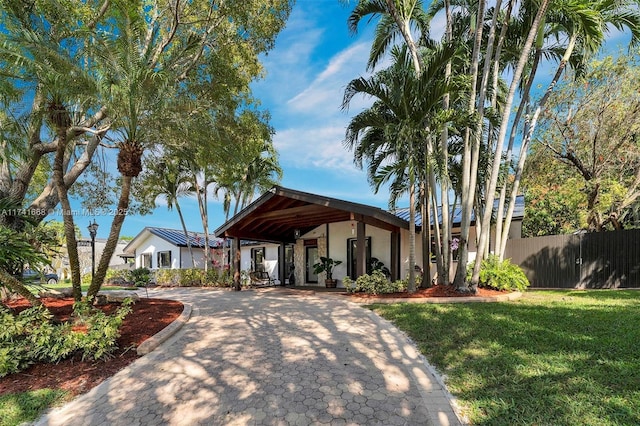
x=331, y=283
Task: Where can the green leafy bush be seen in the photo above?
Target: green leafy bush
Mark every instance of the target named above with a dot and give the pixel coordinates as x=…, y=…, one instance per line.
x=102, y=330
x=376, y=283
x=193, y=277
x=500, y=275
x=140, y=277
x=32, y=336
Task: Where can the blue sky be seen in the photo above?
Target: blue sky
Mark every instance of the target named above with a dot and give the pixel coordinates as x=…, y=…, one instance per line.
x=314, y=58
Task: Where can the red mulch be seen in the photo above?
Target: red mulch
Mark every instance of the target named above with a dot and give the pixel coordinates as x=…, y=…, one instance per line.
x=148, y=317
x=435, y=291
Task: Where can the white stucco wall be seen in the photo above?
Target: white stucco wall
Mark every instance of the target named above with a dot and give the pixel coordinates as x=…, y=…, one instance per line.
x=153, y=245
x=270, y=256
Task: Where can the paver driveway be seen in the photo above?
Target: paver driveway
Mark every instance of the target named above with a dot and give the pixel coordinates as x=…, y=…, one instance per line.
x=269, y=357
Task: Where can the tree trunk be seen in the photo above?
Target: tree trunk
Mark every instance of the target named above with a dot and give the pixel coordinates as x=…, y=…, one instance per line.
x=468, y=184
x=17, y=287
x=524, y=147
x=67, y=215
x=186, y=233
x=112, y=240
x=411, y=286
x=506, y=115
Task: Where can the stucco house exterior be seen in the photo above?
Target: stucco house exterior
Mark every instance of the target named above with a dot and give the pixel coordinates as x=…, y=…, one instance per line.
x=291, y=230
x=162, y=248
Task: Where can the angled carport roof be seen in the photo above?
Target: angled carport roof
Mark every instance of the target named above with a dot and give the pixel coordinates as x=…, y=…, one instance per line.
x=280, y=211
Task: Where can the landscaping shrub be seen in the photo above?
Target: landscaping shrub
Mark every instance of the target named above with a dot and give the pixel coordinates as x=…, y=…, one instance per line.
x=140, y=277
x=500, y=275
x=193, y=277
x=32, y=336
x=376, y=283
x=117, y=276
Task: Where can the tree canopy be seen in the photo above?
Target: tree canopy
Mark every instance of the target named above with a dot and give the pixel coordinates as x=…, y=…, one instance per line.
x=587, y=151
x=79, y=77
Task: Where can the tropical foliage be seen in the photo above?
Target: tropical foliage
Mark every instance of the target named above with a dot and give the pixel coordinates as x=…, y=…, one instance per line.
x=587, y=151
x=32, y=336
x=464, y=145
x=374, y=283
x=82, y=79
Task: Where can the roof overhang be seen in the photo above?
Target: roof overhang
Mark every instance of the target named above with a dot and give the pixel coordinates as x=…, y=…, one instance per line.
x=279, y=212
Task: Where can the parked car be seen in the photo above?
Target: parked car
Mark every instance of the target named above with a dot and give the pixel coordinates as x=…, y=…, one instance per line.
x=33, y=276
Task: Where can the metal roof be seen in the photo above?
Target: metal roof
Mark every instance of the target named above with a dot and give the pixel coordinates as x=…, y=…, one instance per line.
x=176, y=237
x=518, y=213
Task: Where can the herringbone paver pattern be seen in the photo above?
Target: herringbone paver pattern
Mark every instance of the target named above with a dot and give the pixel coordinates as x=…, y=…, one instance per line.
x=267, y=357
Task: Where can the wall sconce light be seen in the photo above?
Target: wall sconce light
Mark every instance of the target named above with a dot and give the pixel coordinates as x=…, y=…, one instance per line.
x=353, y=229
x=296, y=234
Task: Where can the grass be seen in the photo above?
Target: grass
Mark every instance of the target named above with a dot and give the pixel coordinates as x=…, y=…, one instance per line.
x=549, y=358
x=24, y=407
x=85, y=287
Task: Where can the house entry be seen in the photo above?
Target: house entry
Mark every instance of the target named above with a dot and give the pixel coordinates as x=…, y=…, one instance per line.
x=311, y=258
x=352, y=256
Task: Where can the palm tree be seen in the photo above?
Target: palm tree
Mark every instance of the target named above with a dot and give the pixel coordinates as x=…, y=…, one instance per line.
x=168, y=175
x=585, y=24
x=394, y=128
x=134, y=90
x=398, y=20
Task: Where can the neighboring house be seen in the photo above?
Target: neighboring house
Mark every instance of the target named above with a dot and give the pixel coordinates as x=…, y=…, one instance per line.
x=298, y=228
x=60, y=262
x=158, y=248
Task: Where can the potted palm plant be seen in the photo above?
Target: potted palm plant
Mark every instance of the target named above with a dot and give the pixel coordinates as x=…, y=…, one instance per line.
x=326, y=265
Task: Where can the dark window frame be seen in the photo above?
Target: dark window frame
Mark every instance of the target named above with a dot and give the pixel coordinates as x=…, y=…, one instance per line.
x=160, y=262
x=146, y=260
x=352, y=257
x=258, y=265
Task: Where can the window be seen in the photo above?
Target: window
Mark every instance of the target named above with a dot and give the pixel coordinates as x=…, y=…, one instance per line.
x=453, y=247
x=257, y=258
x=164, y=259
x=289, y=265
x=145, y=260
x=312, y=257
x=352, y=255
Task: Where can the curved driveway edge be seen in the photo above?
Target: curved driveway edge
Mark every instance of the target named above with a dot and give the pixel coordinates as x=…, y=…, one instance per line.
x=269, y=358
x=156, y=340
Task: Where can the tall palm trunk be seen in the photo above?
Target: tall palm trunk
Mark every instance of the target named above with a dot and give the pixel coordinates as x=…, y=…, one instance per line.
x=130, y=166
x=186, y=233
x=445, y=239
x=504, y=223
x=204, y=216
x=528, y=135
x=506, y=115
x=112, y=240
x=496, y=77
x=411, y=286
x=469, y=161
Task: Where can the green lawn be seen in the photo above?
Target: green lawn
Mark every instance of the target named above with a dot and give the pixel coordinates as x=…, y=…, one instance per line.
x=16, y=409
x=549, y=358
x=85, y=287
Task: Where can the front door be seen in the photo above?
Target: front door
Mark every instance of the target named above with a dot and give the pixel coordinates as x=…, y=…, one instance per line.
x=311, y=258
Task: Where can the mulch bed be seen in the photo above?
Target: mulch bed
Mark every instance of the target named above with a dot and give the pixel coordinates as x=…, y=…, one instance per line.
x=148, y=317
x=435, y=291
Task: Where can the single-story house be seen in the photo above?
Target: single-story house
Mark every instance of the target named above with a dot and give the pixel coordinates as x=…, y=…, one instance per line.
x=157, y=248
x=297, y=228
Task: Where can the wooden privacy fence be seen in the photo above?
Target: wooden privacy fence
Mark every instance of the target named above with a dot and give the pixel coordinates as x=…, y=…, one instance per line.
x=589, y=260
